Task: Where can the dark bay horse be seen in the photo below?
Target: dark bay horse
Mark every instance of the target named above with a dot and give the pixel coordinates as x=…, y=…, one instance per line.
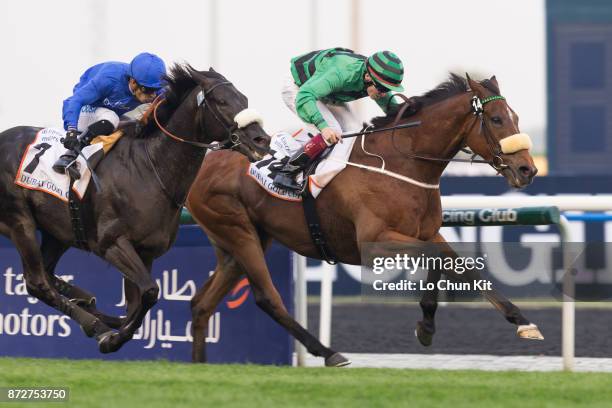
x=134, y=218
x=358, y=206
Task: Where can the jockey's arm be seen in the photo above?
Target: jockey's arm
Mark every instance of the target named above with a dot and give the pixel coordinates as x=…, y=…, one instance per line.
x=317, y=87
x=89, y=93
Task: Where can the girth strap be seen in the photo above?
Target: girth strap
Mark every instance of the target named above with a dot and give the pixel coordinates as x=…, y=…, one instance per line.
x=314, y=227
x=76, y=217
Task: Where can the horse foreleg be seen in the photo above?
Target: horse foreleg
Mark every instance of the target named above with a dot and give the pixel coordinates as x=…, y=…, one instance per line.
x=52, y=250
x=124, y=257
x=227, y=274
x=86, y=300
x=426, y=328
x=38, y=284
x=525, y=329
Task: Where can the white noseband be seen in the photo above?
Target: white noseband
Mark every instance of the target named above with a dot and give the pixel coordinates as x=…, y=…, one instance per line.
x=247, y=116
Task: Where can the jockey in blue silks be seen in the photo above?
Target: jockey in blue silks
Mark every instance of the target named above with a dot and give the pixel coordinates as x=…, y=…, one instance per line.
x=104, y=92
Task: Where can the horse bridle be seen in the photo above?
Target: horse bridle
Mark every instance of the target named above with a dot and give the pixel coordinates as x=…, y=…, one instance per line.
x=497, y=162
x=477, y=109
x=231, y=142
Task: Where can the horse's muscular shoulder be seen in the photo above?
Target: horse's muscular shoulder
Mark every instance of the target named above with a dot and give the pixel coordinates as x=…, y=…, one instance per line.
x=220, y=171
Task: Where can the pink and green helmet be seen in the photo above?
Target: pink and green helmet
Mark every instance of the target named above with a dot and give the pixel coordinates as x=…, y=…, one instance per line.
x=386, y=69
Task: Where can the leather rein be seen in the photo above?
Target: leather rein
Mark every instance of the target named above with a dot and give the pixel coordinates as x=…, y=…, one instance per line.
x=477, y=109
x=231, y=142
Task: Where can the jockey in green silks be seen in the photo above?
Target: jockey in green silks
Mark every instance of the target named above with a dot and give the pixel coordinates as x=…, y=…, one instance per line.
x=320, y=84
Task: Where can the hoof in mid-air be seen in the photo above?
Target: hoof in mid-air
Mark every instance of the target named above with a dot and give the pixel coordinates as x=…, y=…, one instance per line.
x=424, y=335
x=337, y=360
x=106, y=342
x=529, y=331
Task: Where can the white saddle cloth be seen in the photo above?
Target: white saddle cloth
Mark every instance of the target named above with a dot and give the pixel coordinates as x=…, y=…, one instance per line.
x=283, y=145
x=36, y=169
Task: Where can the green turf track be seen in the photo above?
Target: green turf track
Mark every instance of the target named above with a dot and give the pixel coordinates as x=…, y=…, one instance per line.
x=164, y=384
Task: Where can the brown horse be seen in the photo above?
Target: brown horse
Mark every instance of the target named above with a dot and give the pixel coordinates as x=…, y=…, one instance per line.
x=358, y=206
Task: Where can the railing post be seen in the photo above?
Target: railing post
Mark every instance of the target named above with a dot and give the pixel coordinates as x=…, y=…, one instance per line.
x=568, y=307
x=301, y=307
x=327, y=293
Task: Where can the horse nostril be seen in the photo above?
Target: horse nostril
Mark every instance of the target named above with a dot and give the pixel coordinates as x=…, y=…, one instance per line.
x=528, y=171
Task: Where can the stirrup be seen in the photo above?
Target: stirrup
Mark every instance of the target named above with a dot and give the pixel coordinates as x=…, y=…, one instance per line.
x=296, y=187
x=287, y=182
x=63, y=163
x=73, y=170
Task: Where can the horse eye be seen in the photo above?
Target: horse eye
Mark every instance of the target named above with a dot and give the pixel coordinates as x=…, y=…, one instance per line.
x=497, y=120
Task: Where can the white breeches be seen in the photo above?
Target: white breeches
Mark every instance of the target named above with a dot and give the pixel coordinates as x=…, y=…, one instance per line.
x=90, y=115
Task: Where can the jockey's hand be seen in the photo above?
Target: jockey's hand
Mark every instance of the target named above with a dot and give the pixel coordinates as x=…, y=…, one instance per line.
x=331, y=136
x=71, y=140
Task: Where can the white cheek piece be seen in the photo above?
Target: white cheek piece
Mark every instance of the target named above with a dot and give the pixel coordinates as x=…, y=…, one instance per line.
x=516, y=142
x=247, y=116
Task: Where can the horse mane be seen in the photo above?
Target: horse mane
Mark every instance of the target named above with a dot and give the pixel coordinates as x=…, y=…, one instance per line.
x=180, y=81
x=455, y=85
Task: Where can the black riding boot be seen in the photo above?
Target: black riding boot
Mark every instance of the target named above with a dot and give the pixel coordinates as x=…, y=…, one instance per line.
x=285, y=178
x=65, y=159
x=69, y=156
x=102, y=127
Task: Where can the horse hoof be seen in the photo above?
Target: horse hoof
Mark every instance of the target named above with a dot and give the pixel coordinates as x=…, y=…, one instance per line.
x=529, y=331
x=424, y=335
x=107, y=342
x=85, y=303
x=337, y=360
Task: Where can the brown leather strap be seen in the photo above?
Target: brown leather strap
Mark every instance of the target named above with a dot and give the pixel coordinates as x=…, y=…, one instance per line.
x=314, y=228
x=76, y=217
x=403, y=108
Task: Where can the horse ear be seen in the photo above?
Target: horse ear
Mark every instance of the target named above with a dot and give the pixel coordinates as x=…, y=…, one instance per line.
x=471, y=83
x=494, y=82
x=201, y=79
x=211, y=69
x=474, y=85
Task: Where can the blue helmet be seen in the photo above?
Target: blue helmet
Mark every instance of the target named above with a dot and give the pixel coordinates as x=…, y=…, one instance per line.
x=148, y=70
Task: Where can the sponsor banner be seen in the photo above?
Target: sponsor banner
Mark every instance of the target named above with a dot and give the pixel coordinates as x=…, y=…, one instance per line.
x=238, y=331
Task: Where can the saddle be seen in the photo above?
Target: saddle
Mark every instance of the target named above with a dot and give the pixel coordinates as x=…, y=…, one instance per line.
x=275, y=167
